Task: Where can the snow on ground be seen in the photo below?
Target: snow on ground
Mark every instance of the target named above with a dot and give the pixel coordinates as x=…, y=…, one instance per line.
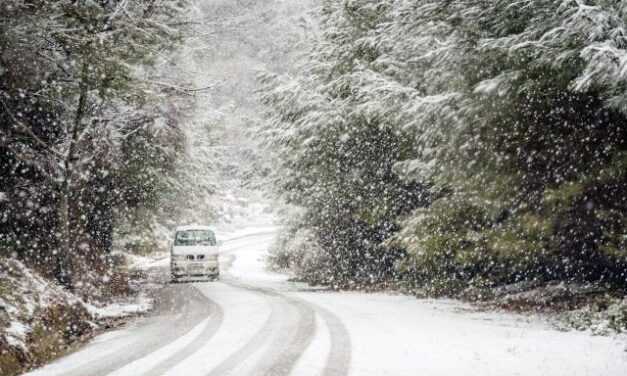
x=244, y=314
x=401, y=335
x=249, y=265
x=146, y=363
x=260, y=319
x=140, y=304
x=101, y=346
x=24, y=294
x=16, y=334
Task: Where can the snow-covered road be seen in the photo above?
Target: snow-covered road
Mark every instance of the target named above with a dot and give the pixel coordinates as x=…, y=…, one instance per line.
x=254, y=322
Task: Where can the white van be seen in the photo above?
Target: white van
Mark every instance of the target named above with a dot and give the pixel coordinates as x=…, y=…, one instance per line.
x=194, y=254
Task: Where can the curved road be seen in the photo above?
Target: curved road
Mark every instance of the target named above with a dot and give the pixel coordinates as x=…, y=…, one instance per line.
x=229, y=327
x=253, y=322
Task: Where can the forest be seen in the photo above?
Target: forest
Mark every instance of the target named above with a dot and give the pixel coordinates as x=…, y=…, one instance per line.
x=445, y=147
x=455, y=147
x=349, y=156
x=89, y=131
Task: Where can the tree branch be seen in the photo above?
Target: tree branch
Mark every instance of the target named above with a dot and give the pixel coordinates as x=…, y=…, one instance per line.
x=19, y=155
x=183, y=90
x=30, y=132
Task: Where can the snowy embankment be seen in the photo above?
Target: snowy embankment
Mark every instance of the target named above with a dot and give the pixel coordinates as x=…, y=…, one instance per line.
x=40, y=320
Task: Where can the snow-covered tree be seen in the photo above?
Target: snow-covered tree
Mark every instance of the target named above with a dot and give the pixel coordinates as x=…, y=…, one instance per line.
x=90, y=80
x=531, y=148
x=511, y=112
x=338, y=144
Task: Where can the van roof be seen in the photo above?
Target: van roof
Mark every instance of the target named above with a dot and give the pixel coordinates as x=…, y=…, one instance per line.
x=193, y=227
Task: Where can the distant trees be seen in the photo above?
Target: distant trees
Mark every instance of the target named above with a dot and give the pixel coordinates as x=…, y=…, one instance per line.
x=85, y=134
x=338, y=144
x=512, y=114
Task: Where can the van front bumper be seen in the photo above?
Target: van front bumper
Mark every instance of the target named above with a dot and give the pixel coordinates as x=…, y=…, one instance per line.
x=191, y=270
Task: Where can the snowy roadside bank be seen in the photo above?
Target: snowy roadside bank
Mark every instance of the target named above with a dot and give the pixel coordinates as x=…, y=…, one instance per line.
x=598, y=308
x=41, y=321
x=390, y=333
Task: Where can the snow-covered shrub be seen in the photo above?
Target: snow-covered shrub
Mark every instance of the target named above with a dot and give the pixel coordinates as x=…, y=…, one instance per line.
x=296, y=250
x=38, y=318
x=602, y=319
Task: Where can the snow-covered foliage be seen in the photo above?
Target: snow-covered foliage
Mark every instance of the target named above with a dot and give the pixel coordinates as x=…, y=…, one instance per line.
x=89, y=135
x=338, y=146
x=534, y=154
x=600, y=319
x=508, y=116
x=40, y=319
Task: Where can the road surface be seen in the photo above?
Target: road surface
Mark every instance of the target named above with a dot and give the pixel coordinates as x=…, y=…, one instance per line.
x=254, y=322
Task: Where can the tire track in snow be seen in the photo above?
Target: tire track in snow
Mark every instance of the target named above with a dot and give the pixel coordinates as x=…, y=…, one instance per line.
x=290, y=323
x=187, y=306
x=292, y=337
x=217, y=317
x=259, y=339
x=339, y=358
x=181, y=307
x=287, y=348
x=292, y=346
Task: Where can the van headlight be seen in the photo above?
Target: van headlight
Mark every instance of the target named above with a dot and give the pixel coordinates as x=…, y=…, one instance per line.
x=175, y=258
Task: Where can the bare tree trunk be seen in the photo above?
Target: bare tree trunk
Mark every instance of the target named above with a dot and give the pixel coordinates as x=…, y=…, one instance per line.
x=65, y=267
x=66, y=258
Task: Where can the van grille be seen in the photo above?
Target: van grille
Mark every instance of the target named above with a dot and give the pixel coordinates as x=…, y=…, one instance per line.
x=196, y=257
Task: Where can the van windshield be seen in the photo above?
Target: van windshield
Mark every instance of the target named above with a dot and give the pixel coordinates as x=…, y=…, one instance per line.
x=195, y=237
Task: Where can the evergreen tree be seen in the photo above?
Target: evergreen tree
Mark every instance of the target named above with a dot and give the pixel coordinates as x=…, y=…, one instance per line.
x=338, y=145
x=74, y=89
x=511, y=113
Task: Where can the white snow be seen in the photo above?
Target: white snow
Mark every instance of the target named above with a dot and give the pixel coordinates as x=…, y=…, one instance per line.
x=29, y=293
x=102, y=346
x=389, y=334
x=317, y=352
x=146, y=363
x=138, y=305
x=26, y=291
x=249, y=265
x=400, y=335
x=244, y=314
x=16, y=334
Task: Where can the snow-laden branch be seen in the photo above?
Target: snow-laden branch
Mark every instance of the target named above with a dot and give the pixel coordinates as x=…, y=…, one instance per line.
x=26, y=129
